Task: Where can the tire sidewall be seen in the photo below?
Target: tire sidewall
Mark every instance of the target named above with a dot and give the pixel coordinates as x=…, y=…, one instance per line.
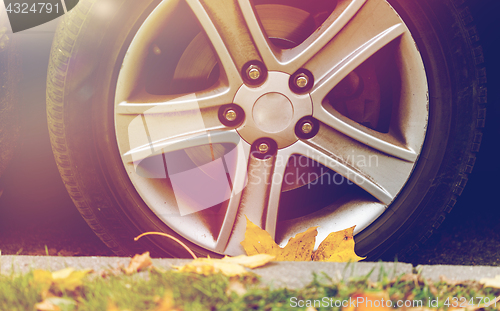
x=93, y=145
x=425, y=199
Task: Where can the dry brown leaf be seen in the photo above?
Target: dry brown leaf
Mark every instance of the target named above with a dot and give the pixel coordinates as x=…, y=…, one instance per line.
x=139, y=263
x=338, y=246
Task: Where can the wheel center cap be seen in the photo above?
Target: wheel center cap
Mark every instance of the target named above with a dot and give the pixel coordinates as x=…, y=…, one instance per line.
x=272, y=112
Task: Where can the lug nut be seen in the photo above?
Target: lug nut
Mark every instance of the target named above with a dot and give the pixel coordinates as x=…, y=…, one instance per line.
x=307, y=128
x=253, y=72
x=263, y=148
x=301, y=80
x=230, y=115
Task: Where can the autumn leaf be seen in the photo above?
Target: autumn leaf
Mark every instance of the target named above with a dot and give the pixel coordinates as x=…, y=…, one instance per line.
x=166, y=303
x=112, y=306
x=495, y=282
x=209, y=266
x=299, y=248
x=229, y=266
x=258, y=241
x=337, y=247
x=65, y=279
x=139, y=263
x=250, y=261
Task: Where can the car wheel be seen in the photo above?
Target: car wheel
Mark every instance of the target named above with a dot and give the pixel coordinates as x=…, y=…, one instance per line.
x=188, y=117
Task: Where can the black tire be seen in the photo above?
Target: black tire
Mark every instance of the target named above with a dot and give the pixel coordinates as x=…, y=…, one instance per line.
x=10, y=73
x=457, y=79
x=85, y=61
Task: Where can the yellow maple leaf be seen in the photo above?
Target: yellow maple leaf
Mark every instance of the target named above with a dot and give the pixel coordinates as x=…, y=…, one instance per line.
x=337, y=247
x=299, y=248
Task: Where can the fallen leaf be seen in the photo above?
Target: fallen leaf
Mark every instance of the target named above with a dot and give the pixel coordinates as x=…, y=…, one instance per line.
x=258, y=241
x=65, y=279
x=495, y=282
x=298, y=248
x=42, y=277
x=337, y=247
x=139, y=263
x=208, y=266
x=112, y=306
x=166, y=303
x=251, y=262
x=69, y=278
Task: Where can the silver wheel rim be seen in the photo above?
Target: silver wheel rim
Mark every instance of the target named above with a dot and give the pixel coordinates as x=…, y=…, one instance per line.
x=166, y=139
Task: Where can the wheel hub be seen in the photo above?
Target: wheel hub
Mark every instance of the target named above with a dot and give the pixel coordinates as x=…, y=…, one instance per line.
x=272, y=110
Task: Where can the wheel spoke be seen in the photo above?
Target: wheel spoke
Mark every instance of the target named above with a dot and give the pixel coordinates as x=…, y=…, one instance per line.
x=258, y=201
x=386, y=143
x=239, y=181
x=356, y=58
x=225, y=26
x=380, y=174
x=145, y=103
x=295, y=58
x=261, y=41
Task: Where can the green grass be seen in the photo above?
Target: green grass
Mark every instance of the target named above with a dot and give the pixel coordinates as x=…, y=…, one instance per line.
x=142, y=292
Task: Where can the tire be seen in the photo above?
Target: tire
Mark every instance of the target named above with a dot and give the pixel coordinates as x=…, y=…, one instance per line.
x=10, y=71
x=418, y=112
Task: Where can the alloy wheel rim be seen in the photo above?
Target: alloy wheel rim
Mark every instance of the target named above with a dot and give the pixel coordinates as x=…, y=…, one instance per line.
x=160, y=136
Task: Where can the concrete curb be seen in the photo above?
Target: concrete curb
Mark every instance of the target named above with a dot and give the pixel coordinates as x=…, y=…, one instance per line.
x=277, y=274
